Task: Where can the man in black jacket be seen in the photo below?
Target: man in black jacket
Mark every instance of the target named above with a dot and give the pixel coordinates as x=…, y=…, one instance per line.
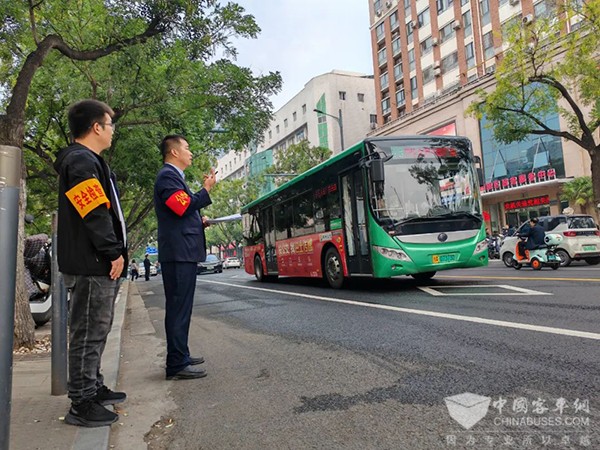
x=147, y=268
x=92, y=254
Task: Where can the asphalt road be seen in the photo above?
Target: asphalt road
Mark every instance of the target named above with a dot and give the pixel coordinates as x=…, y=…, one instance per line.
x=294, y=364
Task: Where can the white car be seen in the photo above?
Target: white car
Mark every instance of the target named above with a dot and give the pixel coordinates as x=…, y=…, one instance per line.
x=581, y=239
x=232, y=262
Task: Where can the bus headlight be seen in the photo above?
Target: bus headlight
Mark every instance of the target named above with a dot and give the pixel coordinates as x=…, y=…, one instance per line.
x=481, y=246
x=392, y=253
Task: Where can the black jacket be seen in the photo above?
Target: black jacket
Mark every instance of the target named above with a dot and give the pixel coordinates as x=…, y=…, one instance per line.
x=90, y=233
x=535, y=237
x=180, y=229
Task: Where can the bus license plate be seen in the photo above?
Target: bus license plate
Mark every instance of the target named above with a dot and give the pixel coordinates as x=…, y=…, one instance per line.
x=440, y=259
x=589, y=248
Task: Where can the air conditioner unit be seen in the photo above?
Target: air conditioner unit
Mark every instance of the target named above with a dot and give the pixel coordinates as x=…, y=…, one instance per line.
x=413, y=24
x=437, y=72
x=388, y=4
x=513, y=2
x=528, y=19
x=435, y=41
x=456, y=25
x=373, y=126
x=436, y=65
x=378, y=12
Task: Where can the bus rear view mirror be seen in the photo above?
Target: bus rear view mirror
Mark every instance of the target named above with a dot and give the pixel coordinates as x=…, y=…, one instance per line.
x=377, y=170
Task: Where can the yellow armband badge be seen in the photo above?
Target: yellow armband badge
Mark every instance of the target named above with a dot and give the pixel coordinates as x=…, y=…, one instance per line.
x=87, y=196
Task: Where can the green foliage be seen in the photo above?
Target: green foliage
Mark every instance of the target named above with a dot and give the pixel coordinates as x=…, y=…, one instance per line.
x=578, y=192
x=296, y=159
x=543, y=72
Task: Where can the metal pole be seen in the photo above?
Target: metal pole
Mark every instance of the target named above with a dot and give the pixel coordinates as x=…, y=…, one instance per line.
x=341, y=124
x=10, y=177
x=59, y=320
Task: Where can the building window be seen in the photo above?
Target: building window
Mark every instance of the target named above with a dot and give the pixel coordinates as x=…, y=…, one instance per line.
x=545, y=8
x=488, y=45
x=377, y=5
x=400, y=98
x=342, y=95
x=407, y=8
x=396, y=46
x=285, y=123
x=409, y=32
x=379, y=31
x=447, y=32
x=270, y=134
x=467, y=23
x=470, y=55
x=484, y=10
x=384, y=80
x=413, y=89
x=423, y=17
x=373, y=118
x=427, y=74
x=449, y=62
x=398, y=71
x=382, y=56
x=294, y=116
x=385, y=105
x=360, y=97
x=321, y=118
x=426, y=46
x=464, y=2
x=394, y=20
x=277, y=129
x=411, y=59
x=303, y=109
x=443, y=5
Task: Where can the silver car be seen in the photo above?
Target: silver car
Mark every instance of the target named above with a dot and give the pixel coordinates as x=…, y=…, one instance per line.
x=581, y=239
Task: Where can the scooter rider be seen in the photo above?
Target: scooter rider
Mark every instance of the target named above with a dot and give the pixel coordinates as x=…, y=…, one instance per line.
x=535, y=236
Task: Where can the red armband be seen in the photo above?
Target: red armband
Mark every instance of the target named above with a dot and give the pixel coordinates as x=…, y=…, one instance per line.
x=178, y=202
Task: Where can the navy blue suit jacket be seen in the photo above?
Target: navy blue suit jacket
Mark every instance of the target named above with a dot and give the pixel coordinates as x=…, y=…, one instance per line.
x=180, y=230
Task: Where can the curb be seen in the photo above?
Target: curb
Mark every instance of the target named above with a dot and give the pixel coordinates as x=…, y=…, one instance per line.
x=98, y=438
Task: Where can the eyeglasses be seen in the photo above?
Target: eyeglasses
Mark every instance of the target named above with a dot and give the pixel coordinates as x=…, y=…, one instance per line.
x=112, y=125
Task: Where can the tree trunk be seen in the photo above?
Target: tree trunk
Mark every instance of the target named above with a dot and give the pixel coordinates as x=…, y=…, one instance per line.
x=595, y=157
x=11, y=133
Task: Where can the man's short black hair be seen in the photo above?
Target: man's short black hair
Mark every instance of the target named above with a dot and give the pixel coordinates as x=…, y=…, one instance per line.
x=168, y=142
x=534, y=220
x=82, y=115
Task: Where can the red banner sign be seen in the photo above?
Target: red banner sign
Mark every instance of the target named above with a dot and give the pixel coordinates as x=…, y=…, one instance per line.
x=523, y=179
x=527, y=203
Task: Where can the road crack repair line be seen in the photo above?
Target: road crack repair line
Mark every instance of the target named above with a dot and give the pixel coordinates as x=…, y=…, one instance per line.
x=440, y=315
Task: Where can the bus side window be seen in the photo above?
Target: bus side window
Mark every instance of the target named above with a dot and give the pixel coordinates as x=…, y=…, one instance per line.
x=283, y=221
x=252, y=233
x=304, y=222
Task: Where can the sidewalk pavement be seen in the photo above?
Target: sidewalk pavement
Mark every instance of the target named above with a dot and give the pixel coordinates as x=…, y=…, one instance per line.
x=37, y=416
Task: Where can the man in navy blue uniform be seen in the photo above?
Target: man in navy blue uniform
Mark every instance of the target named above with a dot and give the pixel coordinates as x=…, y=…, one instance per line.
x=181, y=245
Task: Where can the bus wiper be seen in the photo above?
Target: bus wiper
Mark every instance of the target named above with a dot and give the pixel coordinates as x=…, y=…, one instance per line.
x=459, y=214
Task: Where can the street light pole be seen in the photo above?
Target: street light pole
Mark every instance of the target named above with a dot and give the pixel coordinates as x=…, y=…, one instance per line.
x=339, y=121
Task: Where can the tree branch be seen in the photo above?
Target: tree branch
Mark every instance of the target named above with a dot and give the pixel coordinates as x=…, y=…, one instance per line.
x=32, y=22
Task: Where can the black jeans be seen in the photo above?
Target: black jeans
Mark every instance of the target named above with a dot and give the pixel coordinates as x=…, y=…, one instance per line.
x=91, y=317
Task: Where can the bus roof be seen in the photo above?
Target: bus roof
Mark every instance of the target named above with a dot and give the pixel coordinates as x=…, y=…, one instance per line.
x=334, y=159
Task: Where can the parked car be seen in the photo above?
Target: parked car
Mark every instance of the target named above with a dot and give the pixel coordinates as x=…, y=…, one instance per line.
x=581, y=239
x=142, y=270
x=211, y=264
x=232, y=262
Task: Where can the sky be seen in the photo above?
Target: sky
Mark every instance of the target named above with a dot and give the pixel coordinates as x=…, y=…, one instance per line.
x=305, y=38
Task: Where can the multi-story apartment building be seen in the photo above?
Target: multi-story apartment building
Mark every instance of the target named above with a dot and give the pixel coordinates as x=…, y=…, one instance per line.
x=430, y=58
x=347, y=98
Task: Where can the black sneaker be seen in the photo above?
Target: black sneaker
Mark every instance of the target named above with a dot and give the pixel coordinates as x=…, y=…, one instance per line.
x=90, y=414
x=105, y=396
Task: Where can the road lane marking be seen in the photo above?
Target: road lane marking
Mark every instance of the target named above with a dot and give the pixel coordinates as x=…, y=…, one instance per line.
x=435, y=290
x=480, y=277
x=479, y=320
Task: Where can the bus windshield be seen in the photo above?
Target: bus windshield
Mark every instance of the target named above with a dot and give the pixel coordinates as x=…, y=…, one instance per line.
x=425, y=181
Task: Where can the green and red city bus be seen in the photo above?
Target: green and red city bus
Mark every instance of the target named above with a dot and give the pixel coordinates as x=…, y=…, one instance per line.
x=385, y=207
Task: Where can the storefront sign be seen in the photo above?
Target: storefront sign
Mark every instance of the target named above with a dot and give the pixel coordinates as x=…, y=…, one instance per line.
x=523, y=179
x=527, y=203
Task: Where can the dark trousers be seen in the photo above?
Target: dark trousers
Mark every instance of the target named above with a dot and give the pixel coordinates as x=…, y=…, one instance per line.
x=91, y=316
x=179, y=280
x=147, y=274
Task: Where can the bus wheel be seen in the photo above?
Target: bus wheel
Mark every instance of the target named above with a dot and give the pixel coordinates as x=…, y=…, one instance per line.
x=258, y=269
x=333, y=271
x=423, y=276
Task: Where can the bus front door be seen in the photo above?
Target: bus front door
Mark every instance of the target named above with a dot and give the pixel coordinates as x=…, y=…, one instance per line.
x=355, y=223
x=269, y=233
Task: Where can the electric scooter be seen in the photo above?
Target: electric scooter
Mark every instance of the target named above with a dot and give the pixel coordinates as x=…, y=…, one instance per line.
x=543, y=255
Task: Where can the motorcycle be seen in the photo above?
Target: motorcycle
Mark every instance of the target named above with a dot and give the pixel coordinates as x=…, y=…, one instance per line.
x=38, y=277
x=493, y=245
x=544, y=255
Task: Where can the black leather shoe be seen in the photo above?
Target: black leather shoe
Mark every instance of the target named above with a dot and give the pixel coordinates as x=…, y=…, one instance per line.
x=196, y=361
x=188, y=373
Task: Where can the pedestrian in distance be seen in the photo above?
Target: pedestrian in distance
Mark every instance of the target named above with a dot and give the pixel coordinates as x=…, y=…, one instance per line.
x=181, y=245
x=147, y=268
x=92, y=254
x=133, y=270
